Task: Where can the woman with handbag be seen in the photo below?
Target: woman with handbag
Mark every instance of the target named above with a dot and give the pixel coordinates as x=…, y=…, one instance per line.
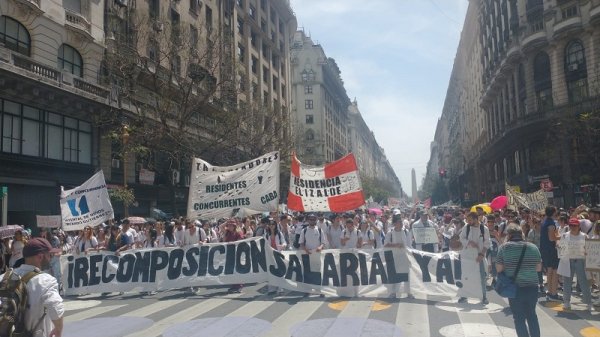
x=520, y=261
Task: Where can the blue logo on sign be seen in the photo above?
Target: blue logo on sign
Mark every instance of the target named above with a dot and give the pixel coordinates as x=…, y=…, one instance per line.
x=83, y=206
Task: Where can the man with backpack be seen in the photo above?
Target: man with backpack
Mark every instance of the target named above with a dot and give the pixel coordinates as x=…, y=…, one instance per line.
x=312, y=241
x=37, y=309
x=475, y=240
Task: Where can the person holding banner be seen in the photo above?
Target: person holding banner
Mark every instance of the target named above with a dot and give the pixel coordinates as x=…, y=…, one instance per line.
x=475, y=239
x=368, y=235
x=276, y=240
x=231, y=235
x=312, y=241
x=424, y=222
x=572, y=262
x=397, y=238
x=16, y=248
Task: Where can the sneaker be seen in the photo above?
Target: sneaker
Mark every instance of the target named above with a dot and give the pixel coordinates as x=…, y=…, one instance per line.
x=485, y=301
x=410, y=296
x=392, y=295
x=590, y=307
x=322, y=296
x=462, y=300
x=553, y=298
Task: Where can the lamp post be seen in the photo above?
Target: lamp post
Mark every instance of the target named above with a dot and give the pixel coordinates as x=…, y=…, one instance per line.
x=125, y=140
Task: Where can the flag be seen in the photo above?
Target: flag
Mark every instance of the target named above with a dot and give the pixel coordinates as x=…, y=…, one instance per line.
x=427, y=203
x=86, y=205
x=334, y=187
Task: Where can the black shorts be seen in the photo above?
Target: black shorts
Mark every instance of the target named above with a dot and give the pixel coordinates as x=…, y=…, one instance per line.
x=550, y=259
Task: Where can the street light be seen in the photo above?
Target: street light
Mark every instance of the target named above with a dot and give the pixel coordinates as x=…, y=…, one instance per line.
x=125, y=140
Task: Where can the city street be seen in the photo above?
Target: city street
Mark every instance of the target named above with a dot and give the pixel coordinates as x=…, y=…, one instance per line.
x=214, y=312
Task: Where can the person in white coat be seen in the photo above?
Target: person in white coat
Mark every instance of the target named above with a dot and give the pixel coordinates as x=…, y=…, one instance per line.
x=475, y=240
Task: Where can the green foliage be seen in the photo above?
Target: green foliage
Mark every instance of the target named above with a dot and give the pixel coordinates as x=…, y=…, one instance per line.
x=122, y=195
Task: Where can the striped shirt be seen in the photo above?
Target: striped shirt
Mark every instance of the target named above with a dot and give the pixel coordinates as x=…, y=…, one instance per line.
x=509, y=254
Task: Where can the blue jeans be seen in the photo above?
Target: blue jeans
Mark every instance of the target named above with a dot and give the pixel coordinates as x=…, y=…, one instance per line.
x=523, y=310
x=577, y=269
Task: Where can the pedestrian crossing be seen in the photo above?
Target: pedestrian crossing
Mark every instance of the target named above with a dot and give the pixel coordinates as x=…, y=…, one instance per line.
x=253, y=313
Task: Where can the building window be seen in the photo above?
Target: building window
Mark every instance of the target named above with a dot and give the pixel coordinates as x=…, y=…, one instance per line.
x=265, y=52
x=517, y=163
x=253, y=39
x=308, y=89
x=240, y=3
x=252, y=12
x=542, y=77
x=209, y=20
x=308, y=104
x=14, y=36
x=310, y=119
x=568, y=12
x=254, y=65
x=193, y=37
x=576, y=71
x=176, y=65
x=275, y=83
x=241, y=52
x=310, y=134
x=194, y=7
x=70, y=60
x=240, y=26
x=33, y=132
x=522, y=90
x=265, y=74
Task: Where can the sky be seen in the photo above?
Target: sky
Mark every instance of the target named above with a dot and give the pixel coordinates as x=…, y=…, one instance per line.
x=396, y=57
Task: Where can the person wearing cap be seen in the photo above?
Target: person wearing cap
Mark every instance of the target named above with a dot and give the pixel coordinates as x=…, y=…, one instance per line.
x=45, y=308
x=572, y=263
x=377, y=227
x=524, y=304
x=334, y=234
x=322, y=222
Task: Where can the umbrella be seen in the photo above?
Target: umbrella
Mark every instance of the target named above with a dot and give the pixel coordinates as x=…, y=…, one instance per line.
x=486, y=208
x=8, y=231
x=151, y=220
x=499, y=202
x=136, y=220
x=375, y=210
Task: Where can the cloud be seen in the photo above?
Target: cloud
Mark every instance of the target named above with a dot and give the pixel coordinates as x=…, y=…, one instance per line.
x=396, y=57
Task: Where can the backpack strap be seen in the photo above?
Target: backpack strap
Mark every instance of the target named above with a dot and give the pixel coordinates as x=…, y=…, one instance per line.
x=30, y=275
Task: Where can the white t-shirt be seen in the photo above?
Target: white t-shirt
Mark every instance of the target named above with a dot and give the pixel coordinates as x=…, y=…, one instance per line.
x=335, y=233
x=402, y=236
x=312, y=238
x=352, y=238
x=192, y=239
x=367, y=235
x=178, y=234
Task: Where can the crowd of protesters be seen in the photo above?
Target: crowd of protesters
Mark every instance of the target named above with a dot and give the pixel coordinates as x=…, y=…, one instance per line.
x=359, y=229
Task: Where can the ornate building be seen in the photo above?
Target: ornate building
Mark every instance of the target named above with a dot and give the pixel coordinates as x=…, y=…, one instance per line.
x=58, y=89
x=524, y=94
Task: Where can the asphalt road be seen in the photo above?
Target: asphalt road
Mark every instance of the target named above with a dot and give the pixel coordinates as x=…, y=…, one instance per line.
x=215, y=313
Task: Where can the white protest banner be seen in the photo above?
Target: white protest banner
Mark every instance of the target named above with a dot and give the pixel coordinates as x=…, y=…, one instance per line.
x=86, y=205
x=359, y=272
x=571, y=249
x=48, y=221
x=536, y=201
x=424, y=235
x=592, y=257
x=239, y=190
x=334, y=187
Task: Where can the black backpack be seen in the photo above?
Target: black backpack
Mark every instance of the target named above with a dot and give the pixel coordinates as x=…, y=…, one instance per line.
x=480, y=228
x=13, y=295
x=320, y=234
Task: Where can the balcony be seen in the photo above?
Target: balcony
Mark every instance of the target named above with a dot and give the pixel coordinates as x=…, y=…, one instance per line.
x=535, y=36
x=31, y=5
x=595, y=14
x=567, y=25
x=78, y=24
x=28, y=68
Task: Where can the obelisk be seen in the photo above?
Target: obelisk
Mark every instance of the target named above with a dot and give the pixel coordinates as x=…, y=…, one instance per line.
x=415, y=196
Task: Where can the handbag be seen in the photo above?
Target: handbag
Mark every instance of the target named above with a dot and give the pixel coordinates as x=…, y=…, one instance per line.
x=506, y=286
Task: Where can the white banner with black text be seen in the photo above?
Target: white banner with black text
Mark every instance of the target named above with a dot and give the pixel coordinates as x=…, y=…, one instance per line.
x=345, y=272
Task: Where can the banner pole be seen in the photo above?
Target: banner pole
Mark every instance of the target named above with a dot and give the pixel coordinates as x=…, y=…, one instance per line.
x=4, y=206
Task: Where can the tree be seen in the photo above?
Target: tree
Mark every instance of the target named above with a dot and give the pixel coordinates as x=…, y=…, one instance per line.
x=379, y=190
x=183, y=93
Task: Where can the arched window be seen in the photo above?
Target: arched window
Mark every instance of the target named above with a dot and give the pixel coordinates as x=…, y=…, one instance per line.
x=70, y=60
x=542, y=77
x=14, y=36
x=576, y=71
